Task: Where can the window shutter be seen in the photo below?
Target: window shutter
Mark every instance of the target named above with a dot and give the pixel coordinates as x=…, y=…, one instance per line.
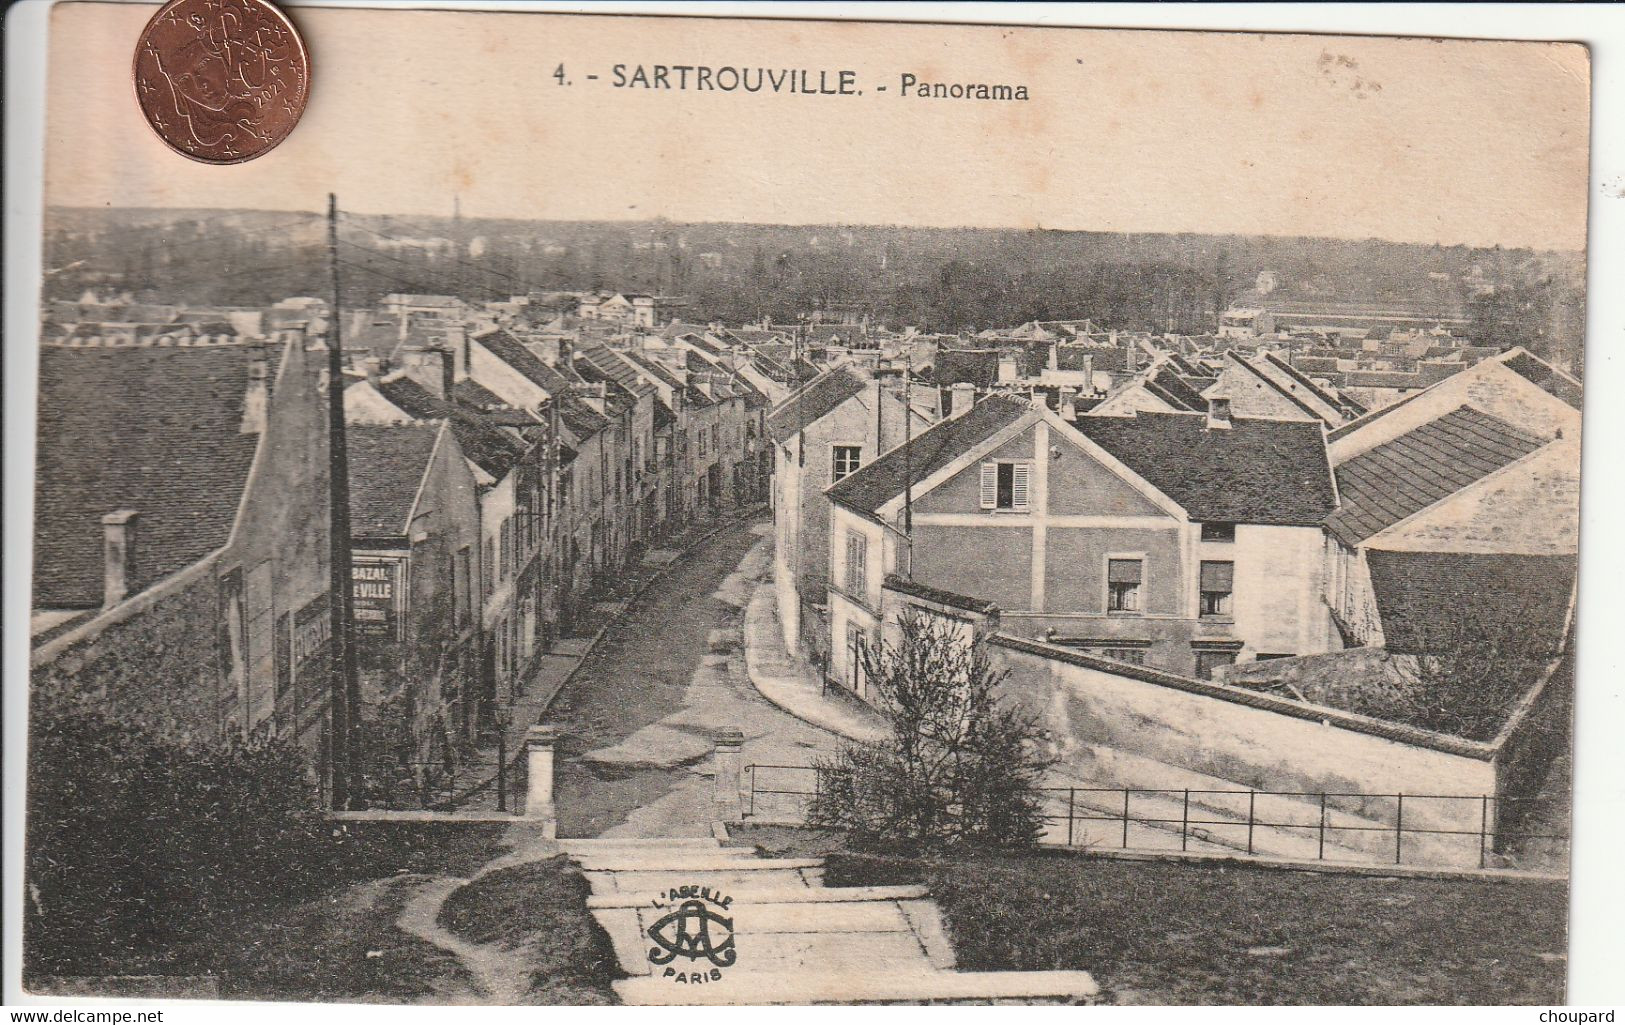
x=1123, y=571
x=1218, y=576
x=990, y=485
x=1018, y=485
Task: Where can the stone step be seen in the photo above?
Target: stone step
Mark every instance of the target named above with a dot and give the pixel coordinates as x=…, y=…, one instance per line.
x=738, y=877
x=601, y=843
x=788, y=895
x=747, y=987
x=730, y=860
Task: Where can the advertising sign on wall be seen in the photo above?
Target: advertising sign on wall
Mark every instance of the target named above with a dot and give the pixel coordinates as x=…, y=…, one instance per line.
x=376, y=598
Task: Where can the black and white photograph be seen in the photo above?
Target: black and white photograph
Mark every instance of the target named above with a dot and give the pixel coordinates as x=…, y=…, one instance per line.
x=588, y=509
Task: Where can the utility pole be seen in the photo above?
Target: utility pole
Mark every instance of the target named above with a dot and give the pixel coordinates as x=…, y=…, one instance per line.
x=908, y=461
x=346, y=694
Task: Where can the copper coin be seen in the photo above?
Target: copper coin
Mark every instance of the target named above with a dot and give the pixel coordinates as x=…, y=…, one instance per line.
x=221, y=81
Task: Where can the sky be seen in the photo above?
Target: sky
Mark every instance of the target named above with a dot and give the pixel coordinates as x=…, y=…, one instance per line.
x=1410, y=140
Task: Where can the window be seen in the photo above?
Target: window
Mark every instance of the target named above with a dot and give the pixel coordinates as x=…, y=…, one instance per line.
x=462, y=583
x=1123, y=577
x=857, y=559
x=1217, y=582
x=491, y=561
x=856, y=645
x=1005, y=485
x=1208, y=661
x=1218, y=532
x=1133, y=656
x=846, y=459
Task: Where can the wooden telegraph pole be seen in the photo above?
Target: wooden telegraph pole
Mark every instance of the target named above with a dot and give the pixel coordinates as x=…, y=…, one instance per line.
x=346, y=686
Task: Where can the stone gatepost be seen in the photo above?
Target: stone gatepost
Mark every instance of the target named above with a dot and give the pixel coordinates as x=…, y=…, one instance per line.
x=728, y=761
x=539, y=743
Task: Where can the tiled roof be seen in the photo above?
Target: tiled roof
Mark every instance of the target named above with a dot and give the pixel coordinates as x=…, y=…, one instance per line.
x=813, y=402
x=884, y=479
x=1430, y=600
x=387, y=464
x=1395, y=480
x=1256, y=471
x=604, y=360
x=1172, y=389
x=1547, y=379
x=156, y=430
x=510, y=350
x=1314, y=389
x=485, y=443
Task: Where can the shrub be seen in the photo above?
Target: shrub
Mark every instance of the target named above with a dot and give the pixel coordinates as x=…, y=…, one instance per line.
x=957, y=765
x=132, y=840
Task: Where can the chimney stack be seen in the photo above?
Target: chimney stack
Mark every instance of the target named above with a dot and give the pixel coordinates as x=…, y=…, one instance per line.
x=1069, y=404
x=1089, y=372
x=1054, y=355
x=964, y=397
x=374, y=368
x=1007, y=368
x=118, y=535
x=1218, y=414
x=257, y=393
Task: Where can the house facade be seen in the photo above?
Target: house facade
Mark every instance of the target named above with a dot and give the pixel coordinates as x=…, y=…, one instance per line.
x=1181, y=541
x=181, y=568
x=827, y=430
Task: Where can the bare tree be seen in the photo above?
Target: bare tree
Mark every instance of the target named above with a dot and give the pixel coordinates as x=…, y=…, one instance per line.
x=957, y=765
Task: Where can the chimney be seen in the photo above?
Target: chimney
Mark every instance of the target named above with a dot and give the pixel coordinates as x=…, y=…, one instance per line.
x=457, y=340
x=1007, y=368
x=1131, y=358
x=1069, y=404
x=1218, y=414
x=1054, y=356
x=1089, y=372
x=374, y=368
x=964, y=397
x=118, y=534
x=256, y=395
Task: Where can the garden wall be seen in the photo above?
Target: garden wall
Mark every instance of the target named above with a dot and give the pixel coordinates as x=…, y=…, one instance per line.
x=1159, y=727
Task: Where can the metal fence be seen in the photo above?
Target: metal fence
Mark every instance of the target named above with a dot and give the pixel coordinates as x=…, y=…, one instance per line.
x=1453, y=830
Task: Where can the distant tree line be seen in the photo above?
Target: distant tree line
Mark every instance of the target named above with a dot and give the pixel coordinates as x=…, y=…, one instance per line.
x=935, y=279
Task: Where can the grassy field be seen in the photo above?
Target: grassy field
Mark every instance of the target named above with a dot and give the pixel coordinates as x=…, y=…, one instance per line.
x=1169, y=933
x=539, y=910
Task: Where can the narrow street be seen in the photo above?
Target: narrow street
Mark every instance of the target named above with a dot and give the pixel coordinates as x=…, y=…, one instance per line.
x=637, y=722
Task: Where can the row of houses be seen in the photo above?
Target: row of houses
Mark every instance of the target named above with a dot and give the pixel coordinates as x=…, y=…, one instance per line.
x=1201, y=514
x=499, y=484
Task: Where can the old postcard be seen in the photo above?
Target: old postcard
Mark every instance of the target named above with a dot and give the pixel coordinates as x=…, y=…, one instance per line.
x=592, y=509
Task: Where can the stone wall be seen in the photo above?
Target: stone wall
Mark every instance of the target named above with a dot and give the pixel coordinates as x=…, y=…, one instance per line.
x=152, y=663
x=1161, y=730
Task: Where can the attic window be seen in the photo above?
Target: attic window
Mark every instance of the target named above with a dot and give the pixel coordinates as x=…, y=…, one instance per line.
x=1006, y=485
x=1218, y=532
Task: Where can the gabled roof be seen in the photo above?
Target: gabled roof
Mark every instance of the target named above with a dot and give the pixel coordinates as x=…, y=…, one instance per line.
x=1314, y=389
x=153, y=429
x=1418, y=469
x=1432, y=600
x=1272, y=472
x=813, y=401
x=1168, y=386
x=604, y=359
x=387, y=466
x=487, y=445
x=1545, y=377
x=502, y=344
x=872, y=486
